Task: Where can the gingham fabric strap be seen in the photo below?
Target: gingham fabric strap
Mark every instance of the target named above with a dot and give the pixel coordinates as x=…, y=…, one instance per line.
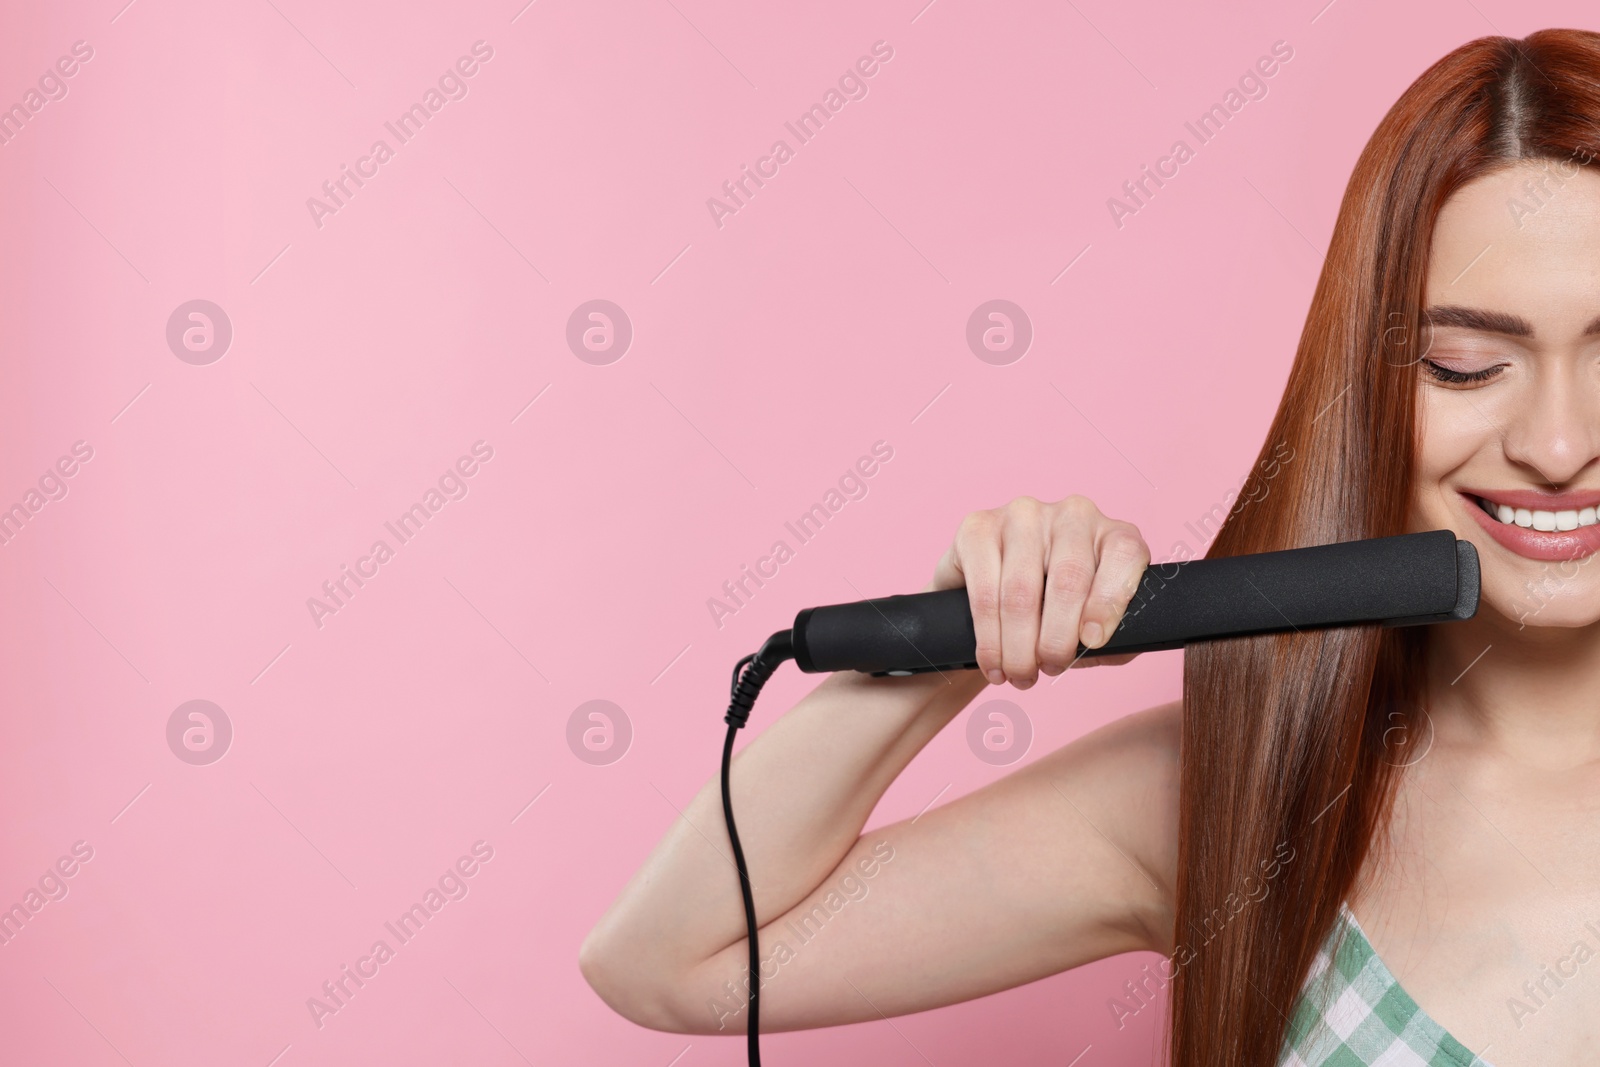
x=1352, y=1012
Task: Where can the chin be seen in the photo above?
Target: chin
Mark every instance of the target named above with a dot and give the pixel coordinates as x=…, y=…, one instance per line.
x=1549, y=600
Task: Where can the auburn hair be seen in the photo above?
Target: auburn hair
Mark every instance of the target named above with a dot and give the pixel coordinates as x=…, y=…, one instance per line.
x=1292, y=743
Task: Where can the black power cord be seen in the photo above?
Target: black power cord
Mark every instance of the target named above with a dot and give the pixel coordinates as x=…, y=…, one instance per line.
x=749, y=675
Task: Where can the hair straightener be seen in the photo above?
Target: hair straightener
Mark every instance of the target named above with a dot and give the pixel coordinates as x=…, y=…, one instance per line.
x=1406, y=580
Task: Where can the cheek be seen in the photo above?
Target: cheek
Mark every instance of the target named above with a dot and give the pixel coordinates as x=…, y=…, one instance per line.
x=1454, y=445
x=1450, y=434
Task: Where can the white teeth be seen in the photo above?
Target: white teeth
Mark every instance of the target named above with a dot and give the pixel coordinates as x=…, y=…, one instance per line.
x=1541, y=520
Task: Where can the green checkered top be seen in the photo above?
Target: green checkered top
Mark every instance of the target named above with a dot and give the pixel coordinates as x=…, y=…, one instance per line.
x=1352, y=1012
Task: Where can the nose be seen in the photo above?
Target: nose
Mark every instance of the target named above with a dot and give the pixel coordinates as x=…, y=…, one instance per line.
x=1554, y=431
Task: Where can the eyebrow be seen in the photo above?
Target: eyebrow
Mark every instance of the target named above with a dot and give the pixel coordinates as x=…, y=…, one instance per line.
x=1489, y=321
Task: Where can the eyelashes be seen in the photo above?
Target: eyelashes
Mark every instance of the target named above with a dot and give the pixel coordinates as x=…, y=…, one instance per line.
x=1457, y=377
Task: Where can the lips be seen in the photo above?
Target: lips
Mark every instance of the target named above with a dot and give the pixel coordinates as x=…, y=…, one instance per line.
x=1542, y=526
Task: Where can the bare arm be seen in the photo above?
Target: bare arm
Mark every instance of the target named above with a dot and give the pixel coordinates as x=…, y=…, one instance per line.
x=1064, y=861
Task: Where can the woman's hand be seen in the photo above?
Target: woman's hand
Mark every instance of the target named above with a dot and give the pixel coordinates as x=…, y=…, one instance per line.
x=1041, y=578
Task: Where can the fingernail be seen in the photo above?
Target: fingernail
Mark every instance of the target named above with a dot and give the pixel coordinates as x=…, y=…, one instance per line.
x=1093, y=635
x=995, y=676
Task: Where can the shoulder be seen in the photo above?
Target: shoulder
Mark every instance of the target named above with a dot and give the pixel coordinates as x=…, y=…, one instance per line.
x=1156, y=739
x=1128, y=772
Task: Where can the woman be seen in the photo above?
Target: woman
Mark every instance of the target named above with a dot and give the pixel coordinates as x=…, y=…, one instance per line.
x=1421, y=798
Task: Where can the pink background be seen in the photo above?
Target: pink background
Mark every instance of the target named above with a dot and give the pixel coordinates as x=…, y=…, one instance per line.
x=370, y=352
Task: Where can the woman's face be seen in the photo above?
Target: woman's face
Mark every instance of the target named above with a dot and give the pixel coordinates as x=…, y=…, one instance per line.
x=1508, y=388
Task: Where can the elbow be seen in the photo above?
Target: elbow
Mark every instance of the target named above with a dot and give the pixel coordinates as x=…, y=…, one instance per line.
x=628, y=987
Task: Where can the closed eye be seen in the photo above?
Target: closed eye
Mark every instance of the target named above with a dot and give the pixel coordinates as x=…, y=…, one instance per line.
x=1459, y=377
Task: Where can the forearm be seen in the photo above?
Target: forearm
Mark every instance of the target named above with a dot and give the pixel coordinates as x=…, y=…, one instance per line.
x=802, y=789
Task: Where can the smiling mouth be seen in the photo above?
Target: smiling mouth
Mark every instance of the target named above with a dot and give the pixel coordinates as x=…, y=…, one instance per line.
x=1537, y=519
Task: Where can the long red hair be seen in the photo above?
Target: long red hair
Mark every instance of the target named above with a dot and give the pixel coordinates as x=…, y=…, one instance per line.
x=1292, y=742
